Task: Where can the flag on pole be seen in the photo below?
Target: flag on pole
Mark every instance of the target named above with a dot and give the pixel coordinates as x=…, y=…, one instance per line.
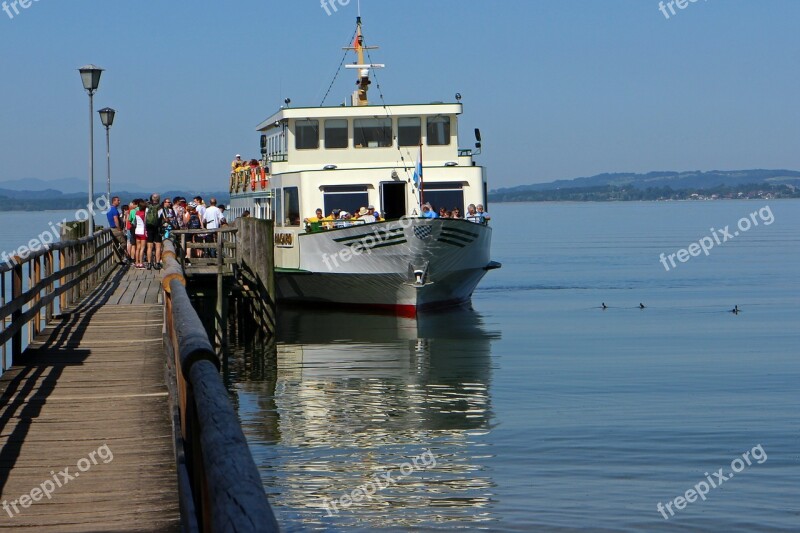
x=418, y=170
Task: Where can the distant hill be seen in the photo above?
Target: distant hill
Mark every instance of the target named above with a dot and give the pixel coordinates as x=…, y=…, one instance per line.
x=64, y=185
x=50, y=199
x=658, y=185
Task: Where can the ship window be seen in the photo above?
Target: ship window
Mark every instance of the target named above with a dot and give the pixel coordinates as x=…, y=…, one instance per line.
x=447, y=195
x=291, y=206
x=409, y=131
x=372, y=132
x=336, y=133
x=306, y=134
x=438, y=131
x=347, y=197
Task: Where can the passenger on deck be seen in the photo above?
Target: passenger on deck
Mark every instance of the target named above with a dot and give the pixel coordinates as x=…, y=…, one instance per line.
x=428, y=212
x=455, y=213
x=485, y=218
x=472, y=214
x=344, y=220
x=366, y=215
x=315, y=223
x=443, y=213
x=237, y=162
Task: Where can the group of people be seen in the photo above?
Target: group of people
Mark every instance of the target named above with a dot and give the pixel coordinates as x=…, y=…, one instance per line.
x=339, y=218
x=140, y=226
x=474, y=213
x=238, y=164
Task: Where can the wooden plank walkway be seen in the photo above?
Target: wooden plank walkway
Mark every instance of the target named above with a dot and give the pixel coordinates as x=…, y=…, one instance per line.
x=89, y=396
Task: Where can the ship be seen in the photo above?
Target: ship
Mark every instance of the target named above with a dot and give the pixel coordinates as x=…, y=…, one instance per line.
x=354, y=160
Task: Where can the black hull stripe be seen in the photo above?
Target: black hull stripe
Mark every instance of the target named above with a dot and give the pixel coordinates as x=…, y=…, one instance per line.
x=457, y=237
x=392, y=234
x=392, y=243
x=460, y=245
x=367, y=245
x=456, y=230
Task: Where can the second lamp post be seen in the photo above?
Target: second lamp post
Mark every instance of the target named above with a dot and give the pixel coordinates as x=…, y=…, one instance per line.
x=107, y=118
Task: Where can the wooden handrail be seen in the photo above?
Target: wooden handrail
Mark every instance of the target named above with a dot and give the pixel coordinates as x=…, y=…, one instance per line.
x=81, y=264
x=226, y=492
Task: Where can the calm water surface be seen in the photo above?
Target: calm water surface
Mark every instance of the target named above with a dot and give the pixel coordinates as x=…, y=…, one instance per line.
x=543, y=411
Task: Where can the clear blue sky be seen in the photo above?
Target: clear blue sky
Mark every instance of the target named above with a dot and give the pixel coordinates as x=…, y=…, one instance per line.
x=560, y=89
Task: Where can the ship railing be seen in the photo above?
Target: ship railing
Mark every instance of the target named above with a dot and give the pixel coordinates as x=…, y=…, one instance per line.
x=241, y=180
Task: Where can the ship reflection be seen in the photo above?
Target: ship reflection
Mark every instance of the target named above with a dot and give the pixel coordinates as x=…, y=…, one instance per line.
x=342, y=397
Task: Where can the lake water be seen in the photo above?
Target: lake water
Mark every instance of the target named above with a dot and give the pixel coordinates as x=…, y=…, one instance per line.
x=538, y=410
x=541, y=411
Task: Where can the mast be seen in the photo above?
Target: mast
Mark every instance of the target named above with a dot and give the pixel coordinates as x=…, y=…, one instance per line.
x=363, y=82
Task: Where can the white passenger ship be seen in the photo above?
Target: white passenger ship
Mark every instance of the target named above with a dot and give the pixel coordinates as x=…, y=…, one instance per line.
x=352, y=156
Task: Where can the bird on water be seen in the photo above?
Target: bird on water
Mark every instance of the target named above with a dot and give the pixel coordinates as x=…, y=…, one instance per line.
x=604, y=306
x=735, y=310
x=641, y=305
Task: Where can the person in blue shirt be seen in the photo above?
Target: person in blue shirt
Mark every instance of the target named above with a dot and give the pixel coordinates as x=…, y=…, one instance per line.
x=113, y=214
x=428, y=212
x=115, y=224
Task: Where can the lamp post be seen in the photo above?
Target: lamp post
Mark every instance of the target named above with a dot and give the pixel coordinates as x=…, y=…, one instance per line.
x=107, y=118
x=90, y=76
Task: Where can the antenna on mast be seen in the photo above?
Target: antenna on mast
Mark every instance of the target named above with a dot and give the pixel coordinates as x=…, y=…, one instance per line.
x=363, y=81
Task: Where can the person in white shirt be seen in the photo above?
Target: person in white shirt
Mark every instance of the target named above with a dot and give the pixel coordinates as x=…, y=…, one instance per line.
x=212, y=216
x=201, y=207
x=211, y=220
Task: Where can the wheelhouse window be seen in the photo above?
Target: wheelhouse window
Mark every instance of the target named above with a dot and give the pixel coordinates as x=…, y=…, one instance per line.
x=372, y=132
x=344, y=197
x=447, y=195
x=275, y=208
x=336, y=133
x=306, y=134
x=291, y=206
x=438, y=131
x=409, y=131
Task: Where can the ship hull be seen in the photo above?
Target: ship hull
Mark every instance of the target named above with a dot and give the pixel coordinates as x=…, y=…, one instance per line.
x=402, y=266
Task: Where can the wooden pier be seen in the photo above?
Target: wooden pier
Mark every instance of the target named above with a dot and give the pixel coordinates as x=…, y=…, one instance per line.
x=93, y=380
x=115, y=418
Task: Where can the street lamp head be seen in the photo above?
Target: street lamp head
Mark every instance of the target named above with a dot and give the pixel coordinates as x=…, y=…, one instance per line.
x=107, y=116
x=90, y=76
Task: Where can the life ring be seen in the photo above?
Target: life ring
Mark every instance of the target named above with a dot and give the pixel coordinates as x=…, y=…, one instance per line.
x=252, y=179
x=263, y=178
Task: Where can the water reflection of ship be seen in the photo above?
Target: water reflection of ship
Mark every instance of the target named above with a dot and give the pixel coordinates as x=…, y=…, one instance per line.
x=344, y=395
x=434, y=370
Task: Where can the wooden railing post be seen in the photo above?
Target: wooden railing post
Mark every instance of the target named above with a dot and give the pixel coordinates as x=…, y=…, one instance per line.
x=16, y=291
x=48, y=271
x=36, y=326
